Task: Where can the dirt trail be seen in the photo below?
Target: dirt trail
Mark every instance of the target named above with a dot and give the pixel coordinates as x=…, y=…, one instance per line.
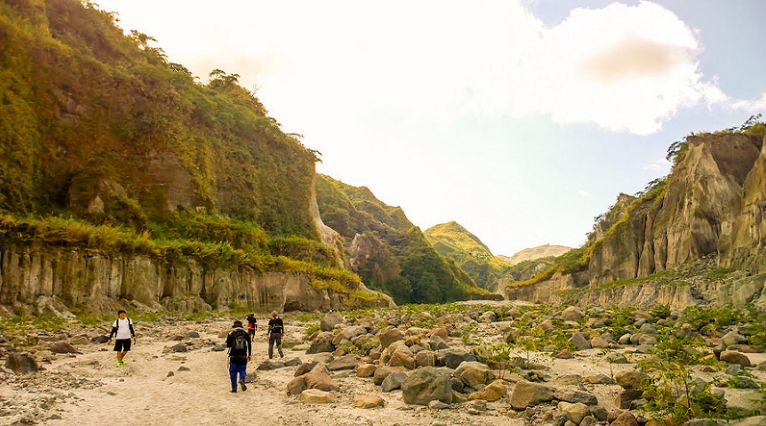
x=142, y=393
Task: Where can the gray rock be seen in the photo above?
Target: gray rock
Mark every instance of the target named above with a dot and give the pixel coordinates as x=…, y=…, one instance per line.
x=427, y=384
x=321, y=343
x=21, y=363
x=100, y=339
x=457, y=384
x=191, y=335
x=270, y=364
x=437, y=343
x=625, y=339
x=631, y=379
x=382, y=372
x=393, y=381
x=179, y=347
x=293, y=362
x=348, y=362
x=648, y=328
x=617, y=358
x=437, y=405
x=63, y=348
x=580, y=341
x=575, y=396
x=305, y=368
x=733, y=338
x=528, y=394
x=452, y=358
x=329, y=321
x=572, y=313
x=219, y=348
x=488, y=317
x=733, y=357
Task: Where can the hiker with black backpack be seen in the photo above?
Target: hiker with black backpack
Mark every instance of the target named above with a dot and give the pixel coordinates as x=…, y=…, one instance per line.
x=240, y=350
x=122, y=329
x=276, y=329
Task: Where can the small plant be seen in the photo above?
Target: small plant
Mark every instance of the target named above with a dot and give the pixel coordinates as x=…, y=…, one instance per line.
x=660, y=312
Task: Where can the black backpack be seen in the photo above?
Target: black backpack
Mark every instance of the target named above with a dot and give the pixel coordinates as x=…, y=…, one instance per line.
x=239, y=344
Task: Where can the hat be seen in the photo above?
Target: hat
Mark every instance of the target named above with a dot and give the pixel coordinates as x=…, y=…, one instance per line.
x=237, y=323
x=274, y=313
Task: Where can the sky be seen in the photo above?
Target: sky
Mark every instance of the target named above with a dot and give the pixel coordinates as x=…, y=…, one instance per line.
x=520, y=119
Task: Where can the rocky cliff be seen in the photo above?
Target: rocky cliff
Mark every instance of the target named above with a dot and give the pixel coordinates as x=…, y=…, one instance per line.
x=123, y=177
x=709, y=210
x=40, y=279
x=537, y=252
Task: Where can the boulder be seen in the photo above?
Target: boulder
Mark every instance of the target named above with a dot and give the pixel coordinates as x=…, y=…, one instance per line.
x=347, y=362
x=625, y=398
x=305, y=368
x=296, y=385
x=319, y=378
x=473, y=373
x=191, y=335
x=452, y=358
x=580, y=341
x=574, y=412
x=63, y=348
x=647, y=340
x=528, y=394
x=353, y=331
x=631, y=379
x=733, y=357
x=427, y=384
x=270, y=364
x=733, y=338
x=572, y=313
x=21, y=363
x=316, y=396
x=625, y=419
x=179, y=347
x=365, y=370
x=492, y=392
x=425, y=359
x=624, y=339
x=599, y=379
x=599, y=342
x=437, y=343
x=402, y=358
x=648, y=328
x=575, y=396
x=617, y=358
x=293, y=362
x=100, y=339
x=321, y=343
x=438, y=405
x=329, y=321
x=382, y=372
x=488, y=317
x=440, y=332
x=393, y=381
x=368, y=401
x=389, y=335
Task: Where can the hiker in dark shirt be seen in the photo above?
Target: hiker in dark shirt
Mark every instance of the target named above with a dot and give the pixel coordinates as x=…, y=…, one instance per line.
x=276, y=329
x=240, y=350
x=252, y=325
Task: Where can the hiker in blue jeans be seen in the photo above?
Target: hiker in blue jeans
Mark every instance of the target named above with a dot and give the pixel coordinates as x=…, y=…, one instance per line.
x=240, y=350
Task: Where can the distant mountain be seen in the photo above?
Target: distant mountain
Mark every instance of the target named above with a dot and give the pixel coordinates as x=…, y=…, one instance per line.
x=539, y=252
x=469, y=252
x=387, y=250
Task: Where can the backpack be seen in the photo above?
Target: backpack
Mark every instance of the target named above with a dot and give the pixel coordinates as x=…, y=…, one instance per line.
x=239, y=344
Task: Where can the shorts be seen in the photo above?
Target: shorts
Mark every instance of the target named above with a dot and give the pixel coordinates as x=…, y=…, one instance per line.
x=122, y=345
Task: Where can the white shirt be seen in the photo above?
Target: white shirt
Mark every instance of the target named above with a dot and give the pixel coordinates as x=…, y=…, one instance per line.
x=123, y=330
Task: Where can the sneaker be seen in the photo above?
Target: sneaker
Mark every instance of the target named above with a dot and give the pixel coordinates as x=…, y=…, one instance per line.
x=233, y=391
x=120, y=363
x=124, y=363
x=242, y=385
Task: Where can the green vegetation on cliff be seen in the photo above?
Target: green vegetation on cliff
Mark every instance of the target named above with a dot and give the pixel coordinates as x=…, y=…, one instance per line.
x=106, y=145
x=101, y=125
x=387, y=250
x=453, y=241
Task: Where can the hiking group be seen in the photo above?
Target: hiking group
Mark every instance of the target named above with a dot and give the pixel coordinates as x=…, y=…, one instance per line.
x=239, y=341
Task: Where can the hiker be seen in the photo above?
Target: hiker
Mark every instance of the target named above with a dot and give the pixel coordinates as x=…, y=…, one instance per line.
x=122, y=329
x=252, y=325
x=276, y=329
x=240, y=350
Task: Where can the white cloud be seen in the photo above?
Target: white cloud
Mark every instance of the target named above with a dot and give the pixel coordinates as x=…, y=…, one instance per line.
x=583, y=192
x=753, y=105
x=624, y=68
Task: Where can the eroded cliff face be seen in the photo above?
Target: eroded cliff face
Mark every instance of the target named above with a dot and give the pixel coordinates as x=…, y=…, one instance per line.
x=713, y=206
x=50, y=278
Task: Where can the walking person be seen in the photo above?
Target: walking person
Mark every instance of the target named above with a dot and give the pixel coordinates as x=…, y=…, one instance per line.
x=122, y=329
x=240, y=350
x=276, y=329
x=252, y=326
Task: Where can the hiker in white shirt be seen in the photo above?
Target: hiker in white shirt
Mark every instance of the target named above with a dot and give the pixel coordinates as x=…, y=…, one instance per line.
x=122, y=329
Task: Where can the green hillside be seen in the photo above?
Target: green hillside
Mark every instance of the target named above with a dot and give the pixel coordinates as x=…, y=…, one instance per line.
x=106, y=145
x=387, y=250
x=467, y=251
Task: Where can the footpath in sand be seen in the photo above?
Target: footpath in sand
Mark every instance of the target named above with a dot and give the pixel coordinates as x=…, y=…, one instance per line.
x=91, y=390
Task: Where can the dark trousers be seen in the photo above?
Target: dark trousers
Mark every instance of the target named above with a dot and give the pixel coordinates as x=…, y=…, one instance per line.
x=275, y=338
x=237, y=366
